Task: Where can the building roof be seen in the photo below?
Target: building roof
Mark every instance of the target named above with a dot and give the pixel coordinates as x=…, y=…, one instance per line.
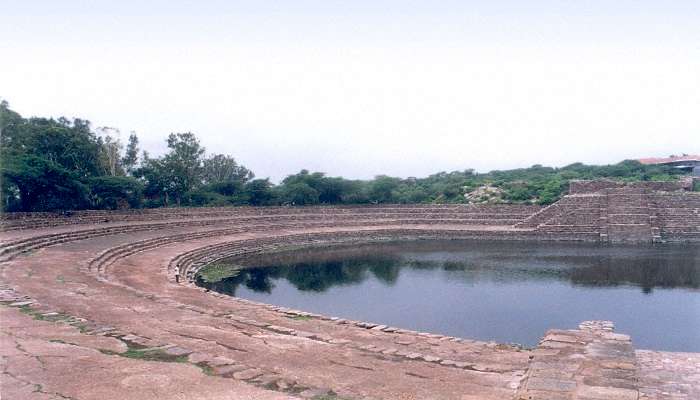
x=671, y=159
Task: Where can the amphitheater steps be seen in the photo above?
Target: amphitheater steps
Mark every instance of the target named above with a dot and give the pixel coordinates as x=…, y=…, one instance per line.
x=590, y=363
x=628, y=216
x=677, y=216
x=15, y=221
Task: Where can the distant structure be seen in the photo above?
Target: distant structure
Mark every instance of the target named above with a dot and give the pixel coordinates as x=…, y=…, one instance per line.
x=686, y=162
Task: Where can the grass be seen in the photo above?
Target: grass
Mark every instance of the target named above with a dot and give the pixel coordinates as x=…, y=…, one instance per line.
x=37, y=315
x=299, y=317
x=206, y=369
x=217, y=272
x=330, y=396
x=147, y=355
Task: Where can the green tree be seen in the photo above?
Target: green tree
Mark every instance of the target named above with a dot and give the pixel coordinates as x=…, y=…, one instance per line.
x=300, y=193
x=382, y=189
x=259, y=192
x=111, y=149
x=115, y=192
x=179, y=171
x=131, y=155
x=37, y=184
x=220, y=168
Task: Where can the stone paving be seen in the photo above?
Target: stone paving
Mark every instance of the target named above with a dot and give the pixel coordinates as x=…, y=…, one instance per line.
x=99, y=303
x=590, y=363
x=666, y=375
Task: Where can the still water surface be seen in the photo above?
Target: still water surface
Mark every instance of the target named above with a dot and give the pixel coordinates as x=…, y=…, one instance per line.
x=502, y=291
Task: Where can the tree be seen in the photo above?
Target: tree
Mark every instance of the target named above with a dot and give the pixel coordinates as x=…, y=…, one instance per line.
x=220, y=168
x=182, y=165
x=9, y=123
x=45, y=162
x=41, y=185
x=131, y=155
x=300, y=194
x=328, y=190
x=115, y=192
x=259, y=192
x=158, y=180
x=70, y=144
x=382, y=189
x=111, y=150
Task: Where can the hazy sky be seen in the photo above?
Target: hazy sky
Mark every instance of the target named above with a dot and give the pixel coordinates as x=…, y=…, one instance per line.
x=358, y=88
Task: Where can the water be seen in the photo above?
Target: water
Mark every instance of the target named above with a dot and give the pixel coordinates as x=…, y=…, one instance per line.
x=502, y=291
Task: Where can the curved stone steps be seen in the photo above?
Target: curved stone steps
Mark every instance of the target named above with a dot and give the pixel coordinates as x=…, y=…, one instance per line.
x=439, y=363
x=17, y=221
x=13, y=248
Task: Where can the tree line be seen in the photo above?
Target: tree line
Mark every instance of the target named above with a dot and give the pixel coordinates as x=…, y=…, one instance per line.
x=51, y=164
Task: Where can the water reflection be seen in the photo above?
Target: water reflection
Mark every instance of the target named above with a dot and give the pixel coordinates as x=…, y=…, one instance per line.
x=583, y=264
x=508, y=292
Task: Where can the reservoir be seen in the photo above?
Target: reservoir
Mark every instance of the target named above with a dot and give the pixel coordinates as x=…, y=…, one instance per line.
x=508, y=292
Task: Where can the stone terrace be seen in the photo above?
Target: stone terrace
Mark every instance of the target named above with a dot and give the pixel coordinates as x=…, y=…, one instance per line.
x=635, y=214
x=93, y=296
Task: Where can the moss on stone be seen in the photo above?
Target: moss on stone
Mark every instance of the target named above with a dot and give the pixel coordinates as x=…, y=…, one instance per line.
x=300, y=317
x=217, y=272
x=147, y=355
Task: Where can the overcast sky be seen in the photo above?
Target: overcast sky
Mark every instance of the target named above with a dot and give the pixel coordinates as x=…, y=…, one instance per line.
x=360, y=88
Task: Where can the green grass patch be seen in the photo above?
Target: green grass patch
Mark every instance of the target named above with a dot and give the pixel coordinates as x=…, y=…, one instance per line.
x=329, y=396
x=31, y=312
x=217, y=272
x=38, y=315
x=206, y=369
x=83, y=328
x=299, y=317
x=147, y=355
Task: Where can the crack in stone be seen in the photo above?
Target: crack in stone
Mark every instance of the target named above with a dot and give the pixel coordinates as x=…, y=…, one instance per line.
x=351, y=366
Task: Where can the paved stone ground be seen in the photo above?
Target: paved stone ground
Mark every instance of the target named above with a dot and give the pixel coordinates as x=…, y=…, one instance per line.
x=121, y=328
x=666, y=376
x=42, y=359
x=590, y=363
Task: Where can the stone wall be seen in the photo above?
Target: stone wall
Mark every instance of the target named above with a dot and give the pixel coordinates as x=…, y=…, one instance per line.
x=600, y=185
x=676, y=216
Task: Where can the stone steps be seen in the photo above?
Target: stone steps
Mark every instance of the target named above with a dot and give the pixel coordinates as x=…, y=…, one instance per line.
x=590, y=363
x=11, y=221
x=11, y=249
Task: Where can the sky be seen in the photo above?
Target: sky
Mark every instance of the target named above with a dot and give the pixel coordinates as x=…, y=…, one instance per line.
x=361, y=88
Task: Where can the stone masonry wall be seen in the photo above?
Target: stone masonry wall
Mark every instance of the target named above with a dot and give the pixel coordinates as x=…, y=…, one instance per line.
x=596, y=186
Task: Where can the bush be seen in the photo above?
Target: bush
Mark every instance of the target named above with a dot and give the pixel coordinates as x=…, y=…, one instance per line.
x=115, y=192
x=199, y=198
x=300, y=194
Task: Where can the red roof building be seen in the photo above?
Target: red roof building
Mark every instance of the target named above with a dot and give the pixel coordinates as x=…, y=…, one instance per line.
x=685, y=161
